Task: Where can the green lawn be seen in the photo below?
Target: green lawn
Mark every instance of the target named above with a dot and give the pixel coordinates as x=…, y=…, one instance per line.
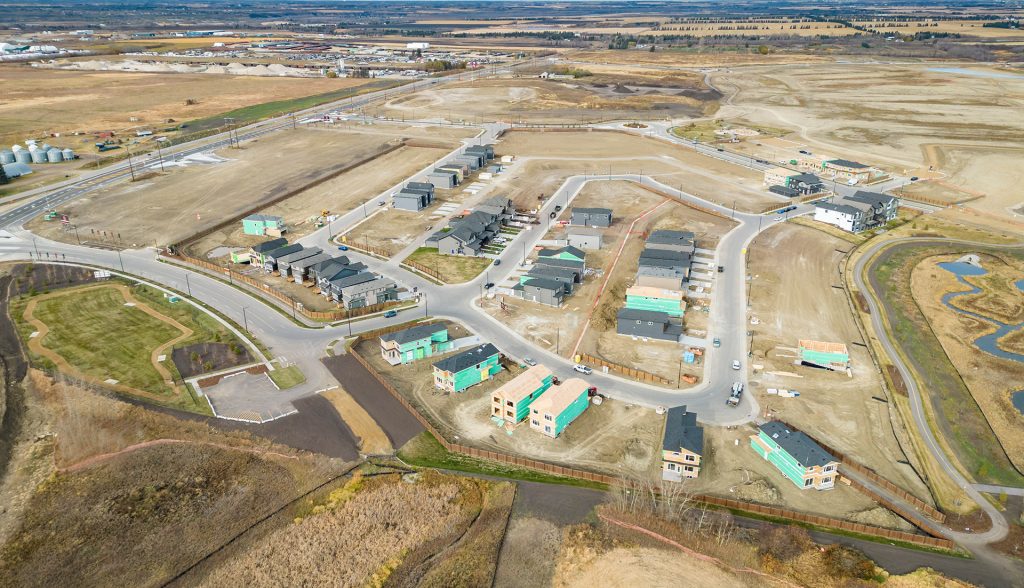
x=287, y=377
x=454, y=269
x=95, y=332
x=424, y=451
x=205, y=327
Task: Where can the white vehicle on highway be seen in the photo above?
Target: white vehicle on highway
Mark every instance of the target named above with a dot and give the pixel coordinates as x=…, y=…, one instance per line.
x=582, y=369
x=736, y=364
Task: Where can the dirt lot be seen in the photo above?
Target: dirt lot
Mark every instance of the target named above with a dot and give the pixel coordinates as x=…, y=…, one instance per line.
x=610, y=438
x=167, y=208
x=990, y=379
x=893, y=123
x=839, y=410
x=42, y=101
x=602, y=152
x=589, y=99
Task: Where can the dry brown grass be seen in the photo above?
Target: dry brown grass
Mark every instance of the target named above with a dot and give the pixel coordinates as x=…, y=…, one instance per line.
x=371, y=531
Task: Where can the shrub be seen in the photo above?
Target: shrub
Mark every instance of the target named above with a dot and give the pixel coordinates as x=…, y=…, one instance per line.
x=783, y=542
x=846, y=562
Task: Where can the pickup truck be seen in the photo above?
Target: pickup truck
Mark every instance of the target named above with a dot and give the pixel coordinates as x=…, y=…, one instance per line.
x=735, y=394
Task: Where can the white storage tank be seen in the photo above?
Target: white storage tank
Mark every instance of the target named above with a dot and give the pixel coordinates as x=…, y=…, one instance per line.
x=54, y=155
x=22, y=156
x=6, y=156
x=67, y=154
x=38, y=156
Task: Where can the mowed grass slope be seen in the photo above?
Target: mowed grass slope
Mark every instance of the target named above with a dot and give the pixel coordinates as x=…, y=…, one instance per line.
x=454, y=269
x=95, y=332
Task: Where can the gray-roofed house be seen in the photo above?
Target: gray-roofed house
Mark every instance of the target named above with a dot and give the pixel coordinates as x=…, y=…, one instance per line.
x=442, y=178
x=542, y=290
x=681, y=241
x=334, y=287
x=806, y=183
x=462, y=370
x=468, y=235
x=569, y=277
x=797, y=456
x=300, y=269
x=591, y=217
x=858, y=212
x=682, y=445
x=257, y=251
x=577, y=266
x=270, y=258
x=844, y=168
x=376, y=291
x=284, y=263
x=585, y=238
x=473, y=160
x=669, y=278
x=412, y=201
x=414, y=343
x=417, y=186
x=487, y=150
x=648, y=324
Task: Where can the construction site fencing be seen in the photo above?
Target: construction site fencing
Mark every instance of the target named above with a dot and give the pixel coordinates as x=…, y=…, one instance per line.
x=557, y=470
x=424, y=270
x=913, y=517
x=624, y=370
x=264, y=288
x=365, y=247
x=852, y=464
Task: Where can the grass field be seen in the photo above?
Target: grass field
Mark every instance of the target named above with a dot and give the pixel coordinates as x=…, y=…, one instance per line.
x=94, y=331
x=287, y=377
x=454, y=269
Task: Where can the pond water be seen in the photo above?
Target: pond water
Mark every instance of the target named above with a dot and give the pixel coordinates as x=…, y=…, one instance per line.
x=1017, y=398
x=986, y=343
x=975, y=72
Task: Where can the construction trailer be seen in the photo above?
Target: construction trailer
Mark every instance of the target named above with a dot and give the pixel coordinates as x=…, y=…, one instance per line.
x=511, y=402
x=557, y=408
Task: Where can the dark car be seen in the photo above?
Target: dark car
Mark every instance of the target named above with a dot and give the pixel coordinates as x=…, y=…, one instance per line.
x=720, y=149
x=721, y=268
x=489, y=285
x=343, y=248
x=391, y=314
x=554, y=214
x=913, y=178
x=497, y=262
x=558, y=208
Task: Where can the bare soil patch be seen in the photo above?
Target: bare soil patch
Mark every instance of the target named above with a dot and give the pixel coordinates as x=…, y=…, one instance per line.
x=209, y=357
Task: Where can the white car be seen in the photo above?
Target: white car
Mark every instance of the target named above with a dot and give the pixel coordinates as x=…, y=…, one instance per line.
x=736, y=364
x=582, y=369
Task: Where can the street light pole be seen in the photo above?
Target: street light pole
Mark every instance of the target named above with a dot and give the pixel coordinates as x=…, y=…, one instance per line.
x=160, y=154
x=188, y=286
x=245, y=319
x=131, y=168
x=120, y=259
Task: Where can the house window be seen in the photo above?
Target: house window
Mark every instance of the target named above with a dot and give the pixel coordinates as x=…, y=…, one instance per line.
x=535, y=411
x=688, y=468
x=639, y=322
x=547, y=429
x=535, y=422
x=672, y=467
x=497, y=400
x=547, y=417
x=829, y=468
x=650, y=323
x=508, y=413
x=676, y=453
x=808, y=481
x=509, y=403
x=826, y=480
x=691, y=458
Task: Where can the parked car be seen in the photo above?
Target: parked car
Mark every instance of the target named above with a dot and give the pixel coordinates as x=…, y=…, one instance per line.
x=380, y=203
x=489, y=285
x=736, y=364
x=721, y=268
x=913, y=178
x=582, y=369
x=343, y=248
x=720, y=149
x=802, y=152
x=558, y=208
x=716, y=342
x=391, y=314
x=554, y=214
x=529, y=361
x=497, y=262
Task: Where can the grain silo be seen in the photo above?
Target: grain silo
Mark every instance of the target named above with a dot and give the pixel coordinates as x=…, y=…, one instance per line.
x=38, y=156
x=67, y=154
x=22, y=156
x=6, y=156
x=54, y=155
x=47, y=147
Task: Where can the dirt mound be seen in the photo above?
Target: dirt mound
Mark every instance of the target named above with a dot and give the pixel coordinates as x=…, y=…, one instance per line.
x=759, y=491
x=881, y=517
x=620, y=89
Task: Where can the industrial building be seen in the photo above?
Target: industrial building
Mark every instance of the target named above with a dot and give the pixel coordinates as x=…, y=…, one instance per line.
x=591, y=217
x=468, y=368
x=682, y=446
x=559, y=407
x=859, y=212
x=409, y=345
x=511, y=402
x=797, y=456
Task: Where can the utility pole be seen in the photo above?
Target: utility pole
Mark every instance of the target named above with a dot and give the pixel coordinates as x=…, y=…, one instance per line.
x=188, y=286
x=227, y=123
x=120, y=259
x=131, y=168
x=426, y=311
x=245, y=319
x=679, y=374
x=160, y=154
x=558, y=332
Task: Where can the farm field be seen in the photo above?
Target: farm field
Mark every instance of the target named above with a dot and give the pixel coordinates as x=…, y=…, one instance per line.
x=167, y=490
x=166, y=208
x=124, y=338
x=855, y=111
x=614, y=437
x=972, y=28
x=42, y=101
x=793, y=269
x=590, y=99
x=990, y=379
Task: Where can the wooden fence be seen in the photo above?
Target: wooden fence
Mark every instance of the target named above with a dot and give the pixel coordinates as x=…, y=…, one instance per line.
x=264, y=288
x=830, y=522
x=365, y=247
x=750, y=507
x=424, y=269
x=624, y=370
x=851, y=464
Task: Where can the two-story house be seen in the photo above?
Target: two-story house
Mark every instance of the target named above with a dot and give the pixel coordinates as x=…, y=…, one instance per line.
x=559, y=407
x=469, y=368
x=796, y=455
x=414, y=343
x=511, y=402
x=682, y=445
